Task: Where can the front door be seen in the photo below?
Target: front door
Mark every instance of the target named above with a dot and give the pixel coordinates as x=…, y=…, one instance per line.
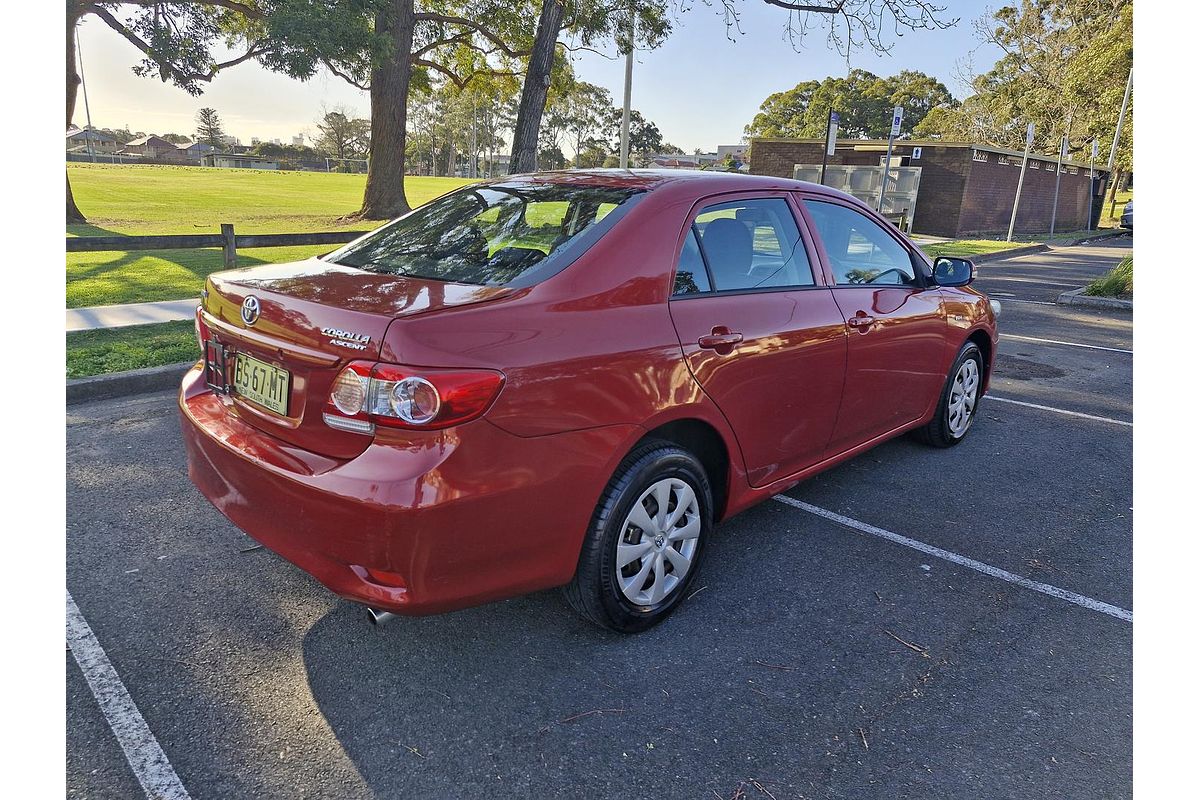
x=894, y=318
x=760, y=333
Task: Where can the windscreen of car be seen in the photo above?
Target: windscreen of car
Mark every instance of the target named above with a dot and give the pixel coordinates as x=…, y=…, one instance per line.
x=492, y=235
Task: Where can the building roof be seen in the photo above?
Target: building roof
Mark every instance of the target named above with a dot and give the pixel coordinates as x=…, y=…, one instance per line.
x=881, y=144
x=94, y=135
x=151, y=139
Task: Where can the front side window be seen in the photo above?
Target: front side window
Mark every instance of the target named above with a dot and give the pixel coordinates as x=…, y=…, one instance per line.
x=860, y=251
x=748, y=244
x=491, y=235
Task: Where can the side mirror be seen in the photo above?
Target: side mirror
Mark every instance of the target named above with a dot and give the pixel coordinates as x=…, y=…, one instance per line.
x=953, y=271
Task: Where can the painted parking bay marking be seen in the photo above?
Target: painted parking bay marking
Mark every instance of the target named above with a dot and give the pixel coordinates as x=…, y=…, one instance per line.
x=1064, y=411
x=147, y=759
x=1065, y=344
x=963, y=561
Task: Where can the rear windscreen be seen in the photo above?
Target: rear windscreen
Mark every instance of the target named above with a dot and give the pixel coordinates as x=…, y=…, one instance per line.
x=491, y=235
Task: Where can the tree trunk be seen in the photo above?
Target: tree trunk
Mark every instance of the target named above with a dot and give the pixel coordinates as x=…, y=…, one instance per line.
x=74, y=215
x=533, y=92
x=384, y=197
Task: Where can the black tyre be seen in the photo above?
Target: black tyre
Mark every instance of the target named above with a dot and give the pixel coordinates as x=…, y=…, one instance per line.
x=959, y=401
x=646, y=540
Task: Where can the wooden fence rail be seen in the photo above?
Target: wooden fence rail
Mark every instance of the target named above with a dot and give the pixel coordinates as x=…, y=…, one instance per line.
x=227, y=240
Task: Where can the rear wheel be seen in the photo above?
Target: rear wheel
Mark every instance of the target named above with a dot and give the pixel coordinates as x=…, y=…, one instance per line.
x=959, y=401
x=646, y=540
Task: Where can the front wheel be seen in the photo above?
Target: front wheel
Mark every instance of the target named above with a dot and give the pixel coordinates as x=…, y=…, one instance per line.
x=959, y=400
x=646, y=540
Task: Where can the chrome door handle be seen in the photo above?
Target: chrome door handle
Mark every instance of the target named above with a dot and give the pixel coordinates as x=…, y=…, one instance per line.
x=861, y=321
x=721, y=338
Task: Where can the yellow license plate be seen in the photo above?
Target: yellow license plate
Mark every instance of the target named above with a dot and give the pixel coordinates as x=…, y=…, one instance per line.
x=262, y=383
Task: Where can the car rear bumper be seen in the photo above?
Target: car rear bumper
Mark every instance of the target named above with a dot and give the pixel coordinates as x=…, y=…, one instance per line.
x=434, y=522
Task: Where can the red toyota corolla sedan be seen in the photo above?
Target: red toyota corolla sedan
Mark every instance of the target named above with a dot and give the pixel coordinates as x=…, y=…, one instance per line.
x=565, y=379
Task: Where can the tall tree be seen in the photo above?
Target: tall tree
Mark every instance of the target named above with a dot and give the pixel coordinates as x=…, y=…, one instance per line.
x=208, y=127
x=1062, y=60
x=644, y=136
x=581, y=111
x=587, y=21
x=342, y=135
x=864, y=102
x=392, y=47
x=535, y=87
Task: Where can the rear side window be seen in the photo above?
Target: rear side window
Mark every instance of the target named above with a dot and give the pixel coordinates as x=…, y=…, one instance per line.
x=492, y=235
x=750, y=244
x=861, y=252
x=690, y=275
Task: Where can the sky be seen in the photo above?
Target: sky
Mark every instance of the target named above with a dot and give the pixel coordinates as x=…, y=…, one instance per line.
x=700, y=88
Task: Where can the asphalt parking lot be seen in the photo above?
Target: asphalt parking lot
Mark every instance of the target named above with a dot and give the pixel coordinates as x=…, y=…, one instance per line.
x=818, y=657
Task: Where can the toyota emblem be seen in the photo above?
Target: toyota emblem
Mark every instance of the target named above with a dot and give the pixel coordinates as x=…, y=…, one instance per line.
x=250, y=309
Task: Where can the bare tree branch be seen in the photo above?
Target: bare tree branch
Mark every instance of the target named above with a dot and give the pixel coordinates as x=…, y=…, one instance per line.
x=833, y=9
x=249, y=11
x=167, y=68
x=501, y=45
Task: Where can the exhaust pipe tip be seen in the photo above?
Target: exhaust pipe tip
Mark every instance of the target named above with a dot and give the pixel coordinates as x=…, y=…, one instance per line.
x=378, y=617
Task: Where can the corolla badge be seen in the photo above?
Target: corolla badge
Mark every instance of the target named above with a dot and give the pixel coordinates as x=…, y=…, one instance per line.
x=250, y=309
x=341, y=338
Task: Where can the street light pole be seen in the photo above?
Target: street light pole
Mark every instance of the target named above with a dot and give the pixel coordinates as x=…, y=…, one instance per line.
x=87, y=135
x=628, y=92
x=1112, y=153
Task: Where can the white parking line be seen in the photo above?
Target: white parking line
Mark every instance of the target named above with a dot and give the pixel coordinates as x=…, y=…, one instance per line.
x=1065, y=344
x=1109, y=420
x=955, y=558
x=1019, y=300
x=154, y=772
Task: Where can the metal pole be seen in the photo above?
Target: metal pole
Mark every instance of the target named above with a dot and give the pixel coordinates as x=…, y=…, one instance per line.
x=1012, y=222
x=474, y=137
x=628, y=91
x=1112, y=154
x=87, y=135
x=1062, y=150
x=1092, y=184
x=887, y=162
x=830, y=138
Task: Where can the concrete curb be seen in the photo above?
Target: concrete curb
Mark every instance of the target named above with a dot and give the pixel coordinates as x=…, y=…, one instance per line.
x=1076, y=297
x=122, y=384
x=1111, y=234
x=1013, y=253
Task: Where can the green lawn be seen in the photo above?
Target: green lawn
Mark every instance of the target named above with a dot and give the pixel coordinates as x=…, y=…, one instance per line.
x=965, y=248
x=1114, y=221
x=120, y=349
x=150, y=199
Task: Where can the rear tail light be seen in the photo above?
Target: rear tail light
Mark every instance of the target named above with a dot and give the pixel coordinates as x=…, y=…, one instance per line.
x=201, y=329
x=365, y=395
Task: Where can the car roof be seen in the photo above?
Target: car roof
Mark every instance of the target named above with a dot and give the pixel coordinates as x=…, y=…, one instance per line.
x=646, y=179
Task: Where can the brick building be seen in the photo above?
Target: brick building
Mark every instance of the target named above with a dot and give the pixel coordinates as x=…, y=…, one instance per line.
x=966, y=189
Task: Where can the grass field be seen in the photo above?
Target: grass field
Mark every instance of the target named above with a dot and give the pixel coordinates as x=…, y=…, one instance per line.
x=150, y=199
x=120, y=349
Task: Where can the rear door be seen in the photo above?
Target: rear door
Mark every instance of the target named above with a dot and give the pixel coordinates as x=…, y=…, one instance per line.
x=760, y=332
x=895, y=322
